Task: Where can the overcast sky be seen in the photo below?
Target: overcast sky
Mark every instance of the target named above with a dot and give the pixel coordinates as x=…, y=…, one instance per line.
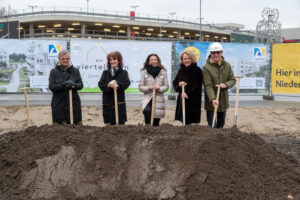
x=246, y=12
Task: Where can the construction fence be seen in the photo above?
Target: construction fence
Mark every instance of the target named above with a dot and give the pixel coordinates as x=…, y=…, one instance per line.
x=27, y=63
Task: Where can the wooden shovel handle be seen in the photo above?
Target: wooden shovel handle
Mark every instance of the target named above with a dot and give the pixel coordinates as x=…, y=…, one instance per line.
x=238, y=76
x=218, y=92
x=71, y=106
x=183, y=106
x=216, y=106
x=153, y=105
x=237, y=94
x=183, y=100
x=116, y=106
x=27, y=105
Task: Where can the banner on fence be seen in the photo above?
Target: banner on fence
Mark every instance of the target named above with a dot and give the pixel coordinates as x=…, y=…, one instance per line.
x=27, y=63
x=89, y=56
x=286, y=68
x=250, y=60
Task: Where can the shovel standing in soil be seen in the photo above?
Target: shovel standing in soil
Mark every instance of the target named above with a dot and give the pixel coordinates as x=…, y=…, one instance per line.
x=216, y=107
x=71, y=106
x=153, y=104
x=183, y=107
x=27, y=106
x=116, y=106
x=237, y=99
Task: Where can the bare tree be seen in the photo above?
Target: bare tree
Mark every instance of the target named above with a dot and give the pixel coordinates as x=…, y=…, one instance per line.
x=2, y=11
x=7, y=11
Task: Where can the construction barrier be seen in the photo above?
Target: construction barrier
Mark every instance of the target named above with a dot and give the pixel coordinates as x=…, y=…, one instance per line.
x=27, y=63
x=286, y=68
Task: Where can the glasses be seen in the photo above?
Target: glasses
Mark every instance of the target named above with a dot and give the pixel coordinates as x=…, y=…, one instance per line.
x=215, y=52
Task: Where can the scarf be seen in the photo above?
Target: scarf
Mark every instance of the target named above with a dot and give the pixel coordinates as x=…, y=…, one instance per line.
x=154, y=71
x=113, y=71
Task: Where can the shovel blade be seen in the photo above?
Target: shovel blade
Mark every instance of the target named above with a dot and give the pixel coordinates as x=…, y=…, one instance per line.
x=234, y=120
x=213, y=122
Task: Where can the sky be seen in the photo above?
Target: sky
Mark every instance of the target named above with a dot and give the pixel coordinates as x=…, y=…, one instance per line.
x=246, y=12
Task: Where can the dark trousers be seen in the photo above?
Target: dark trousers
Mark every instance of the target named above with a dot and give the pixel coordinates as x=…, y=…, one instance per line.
x=147, y=115
x=220, y=121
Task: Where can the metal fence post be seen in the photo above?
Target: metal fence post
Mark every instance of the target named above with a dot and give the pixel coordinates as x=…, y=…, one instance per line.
x=269, y=85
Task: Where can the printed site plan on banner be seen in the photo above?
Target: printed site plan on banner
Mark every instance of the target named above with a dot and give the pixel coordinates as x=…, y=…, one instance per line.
x=27, y=63
x=89, y=56
x=249, y=60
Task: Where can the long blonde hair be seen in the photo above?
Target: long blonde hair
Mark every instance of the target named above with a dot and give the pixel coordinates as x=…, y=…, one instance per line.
x=190, y=53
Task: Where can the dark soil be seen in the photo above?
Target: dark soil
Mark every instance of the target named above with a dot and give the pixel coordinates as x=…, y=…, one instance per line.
x=143, y=162
x=287, y=143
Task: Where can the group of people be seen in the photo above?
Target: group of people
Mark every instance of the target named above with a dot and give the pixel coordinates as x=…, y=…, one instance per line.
x=115, y=80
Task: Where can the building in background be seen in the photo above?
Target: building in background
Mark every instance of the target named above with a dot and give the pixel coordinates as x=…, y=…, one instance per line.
x=290, y=35
x=42, y=22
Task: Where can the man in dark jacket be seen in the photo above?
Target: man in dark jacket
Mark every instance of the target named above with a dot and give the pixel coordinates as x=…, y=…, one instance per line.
x=217, y=71
x=65, y=77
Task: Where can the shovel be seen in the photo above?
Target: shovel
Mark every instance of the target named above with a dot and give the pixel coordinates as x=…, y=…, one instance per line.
x=116, y=106
x=237, y=99
x=71, y=106
x=153, y=104
x=183, y=107
x=216, y=107
x=27, y=106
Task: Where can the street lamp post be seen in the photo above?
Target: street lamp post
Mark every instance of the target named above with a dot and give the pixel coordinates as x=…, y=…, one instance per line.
x=87, y=6
x=169, y=22
x=133, y=17
x=7, y=26
x=200, y=31
x=172, y=13
x=32, y=7
x=134, y=7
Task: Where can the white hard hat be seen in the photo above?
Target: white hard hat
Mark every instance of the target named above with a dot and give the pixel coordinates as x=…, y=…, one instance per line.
x=216, y=46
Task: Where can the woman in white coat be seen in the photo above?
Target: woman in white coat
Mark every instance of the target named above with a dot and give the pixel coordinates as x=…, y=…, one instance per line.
x=153, y=77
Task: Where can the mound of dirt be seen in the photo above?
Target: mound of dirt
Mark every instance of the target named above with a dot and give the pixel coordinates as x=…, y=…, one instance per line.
x=143, y=162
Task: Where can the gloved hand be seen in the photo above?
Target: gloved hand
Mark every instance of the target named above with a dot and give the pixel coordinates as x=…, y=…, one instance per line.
x=69, y=84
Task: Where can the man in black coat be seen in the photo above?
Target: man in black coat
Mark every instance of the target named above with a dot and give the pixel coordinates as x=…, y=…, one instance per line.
x=65, y=77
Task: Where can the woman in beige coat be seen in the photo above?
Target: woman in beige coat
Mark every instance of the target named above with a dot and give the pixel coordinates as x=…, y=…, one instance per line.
x=153, y=77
